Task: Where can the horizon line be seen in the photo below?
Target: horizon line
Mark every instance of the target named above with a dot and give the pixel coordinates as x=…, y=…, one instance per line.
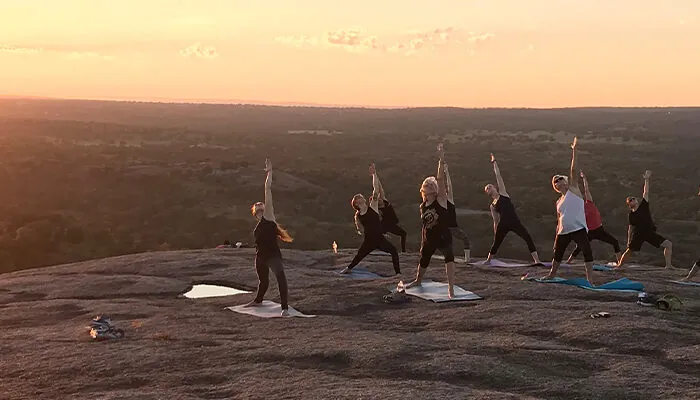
x=289, y=104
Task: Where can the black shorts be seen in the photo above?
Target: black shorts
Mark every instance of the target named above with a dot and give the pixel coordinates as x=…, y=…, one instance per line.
x=427, y=250
x=580, y=237
x=637, y=239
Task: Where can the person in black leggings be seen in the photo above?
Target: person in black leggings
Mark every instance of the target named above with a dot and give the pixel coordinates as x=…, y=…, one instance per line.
x=268, y=255
x=505, y=219
x=596, y=230
x=390, y=221
x=696, y=267
x=368, y=217
x=455, y=230
x=435, y=234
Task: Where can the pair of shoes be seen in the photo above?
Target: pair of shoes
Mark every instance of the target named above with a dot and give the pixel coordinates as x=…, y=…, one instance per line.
x=646, y=300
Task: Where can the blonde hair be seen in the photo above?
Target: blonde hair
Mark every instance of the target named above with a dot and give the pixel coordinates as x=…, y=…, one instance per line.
x=429, y=183
x=555, y=178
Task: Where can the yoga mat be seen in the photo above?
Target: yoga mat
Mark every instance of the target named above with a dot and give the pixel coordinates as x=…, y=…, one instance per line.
x=602, y=268
x=686, y=283
x=499, y=263
x=360, y=273
x=437, y=292
x=549, y=264
x=621, y=285
x=268, y=309
x=202, y=291
x=379, y=253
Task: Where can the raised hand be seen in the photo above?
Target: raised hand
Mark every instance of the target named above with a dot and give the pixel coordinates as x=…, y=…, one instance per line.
x=493, y=158
x=647, y=174
x=583, y=175
x=441, y=150
x=573, y=145
x=268, y=165
x=372, y=169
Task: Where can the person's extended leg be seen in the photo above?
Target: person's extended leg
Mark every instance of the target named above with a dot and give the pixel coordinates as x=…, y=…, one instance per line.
x=604, y=236
x=501, y=232
x=277, y=268
x=263, y=272
x=367, y=247
x=581, y=239
x=634, y=243
x=426, y=253
x=397, y=230
x=449, y=270
x=693, y=271
x=560, y=244
x=521, y=231
x=386, y=246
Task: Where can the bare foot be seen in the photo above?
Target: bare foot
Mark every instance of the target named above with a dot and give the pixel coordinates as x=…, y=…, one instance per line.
x=549, y=276
x=487, y=262
x=345, y=271
x=412, y=284
x=670, y=267
x=451, y=293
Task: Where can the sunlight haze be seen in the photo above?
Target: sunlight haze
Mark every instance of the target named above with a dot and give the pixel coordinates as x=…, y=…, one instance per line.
x=465, y=53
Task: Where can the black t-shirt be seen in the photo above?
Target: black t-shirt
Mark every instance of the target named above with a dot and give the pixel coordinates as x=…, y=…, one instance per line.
x=640, y=220
x=505, y=208
x=451, y=215
x=370, y=221
x=435, y=230
x=389, y=217
x=266, y=239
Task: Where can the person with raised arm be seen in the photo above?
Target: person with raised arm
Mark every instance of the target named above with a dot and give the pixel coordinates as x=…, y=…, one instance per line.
x=571, y=220
x=267, y=254
x=596, y=230
x=505, y=219
x=694, y=269
x=455, y=230
x=390, y=221
x=367, y=216
x=435, y=234
x=642, y=228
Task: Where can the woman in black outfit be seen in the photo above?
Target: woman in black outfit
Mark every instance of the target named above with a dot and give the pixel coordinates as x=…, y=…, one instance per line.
x=368, y=217
x=505, y=219
x=435, y=233
x=268, y=255
x=390, y=221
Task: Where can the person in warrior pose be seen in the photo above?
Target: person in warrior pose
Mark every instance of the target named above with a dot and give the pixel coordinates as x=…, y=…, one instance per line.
x=642, y=228
x=696, y=266
x=390, y=221
x=596, y=231
x=368, y=216
x=455, y=230
x=505, y=219
x=571, y=219
x=268, y=255
x=435, y=234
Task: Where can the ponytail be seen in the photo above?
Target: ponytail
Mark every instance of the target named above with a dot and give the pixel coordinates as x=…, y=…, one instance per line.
x=283, y=235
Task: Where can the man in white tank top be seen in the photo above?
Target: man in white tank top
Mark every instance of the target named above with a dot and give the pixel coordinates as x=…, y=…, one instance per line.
x=571, y=220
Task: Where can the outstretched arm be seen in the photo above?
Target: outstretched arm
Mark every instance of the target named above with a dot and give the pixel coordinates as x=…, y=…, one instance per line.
x=376, y=188
x=573, y=181
x=442, y=186
x=448, y=184
x=269, y=212
x=586, y=192
x=647, y=176
x=499, y=178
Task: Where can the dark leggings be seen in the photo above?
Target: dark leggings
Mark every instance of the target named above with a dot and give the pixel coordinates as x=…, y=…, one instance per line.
x=380, y=243
x=503, y=229
x=262, y=267
x=602, y=235
x=397, y=230
x=458, y=233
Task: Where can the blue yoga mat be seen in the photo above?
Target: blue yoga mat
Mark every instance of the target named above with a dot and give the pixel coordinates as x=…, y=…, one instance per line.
x=620, y=285
x=360, y=273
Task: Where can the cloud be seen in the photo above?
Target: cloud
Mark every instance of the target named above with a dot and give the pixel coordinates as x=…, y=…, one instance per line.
x=200, y=51
x=409, y=42
x=19, y=50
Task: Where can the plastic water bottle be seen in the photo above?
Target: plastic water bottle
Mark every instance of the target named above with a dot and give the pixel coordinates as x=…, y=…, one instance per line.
x=335, y=247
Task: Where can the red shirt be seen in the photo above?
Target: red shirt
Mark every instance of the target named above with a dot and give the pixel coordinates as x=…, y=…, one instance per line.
x=593, y=219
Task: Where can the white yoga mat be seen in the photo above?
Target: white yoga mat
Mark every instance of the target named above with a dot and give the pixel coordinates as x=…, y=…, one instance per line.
x=202, y=291
x=437, y=292
x=686, y=283
x=499, y=263
x=268, y=309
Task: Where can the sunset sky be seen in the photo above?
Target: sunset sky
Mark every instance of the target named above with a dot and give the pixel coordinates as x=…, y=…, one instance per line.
x=465, y=53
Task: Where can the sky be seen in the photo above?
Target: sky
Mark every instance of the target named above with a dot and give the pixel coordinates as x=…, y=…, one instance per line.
x=383, y=53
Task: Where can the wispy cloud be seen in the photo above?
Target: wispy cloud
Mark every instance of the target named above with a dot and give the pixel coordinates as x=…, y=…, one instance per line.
x=199, y=50
x=89, y=55
x=356, y=40
x=19, y=50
